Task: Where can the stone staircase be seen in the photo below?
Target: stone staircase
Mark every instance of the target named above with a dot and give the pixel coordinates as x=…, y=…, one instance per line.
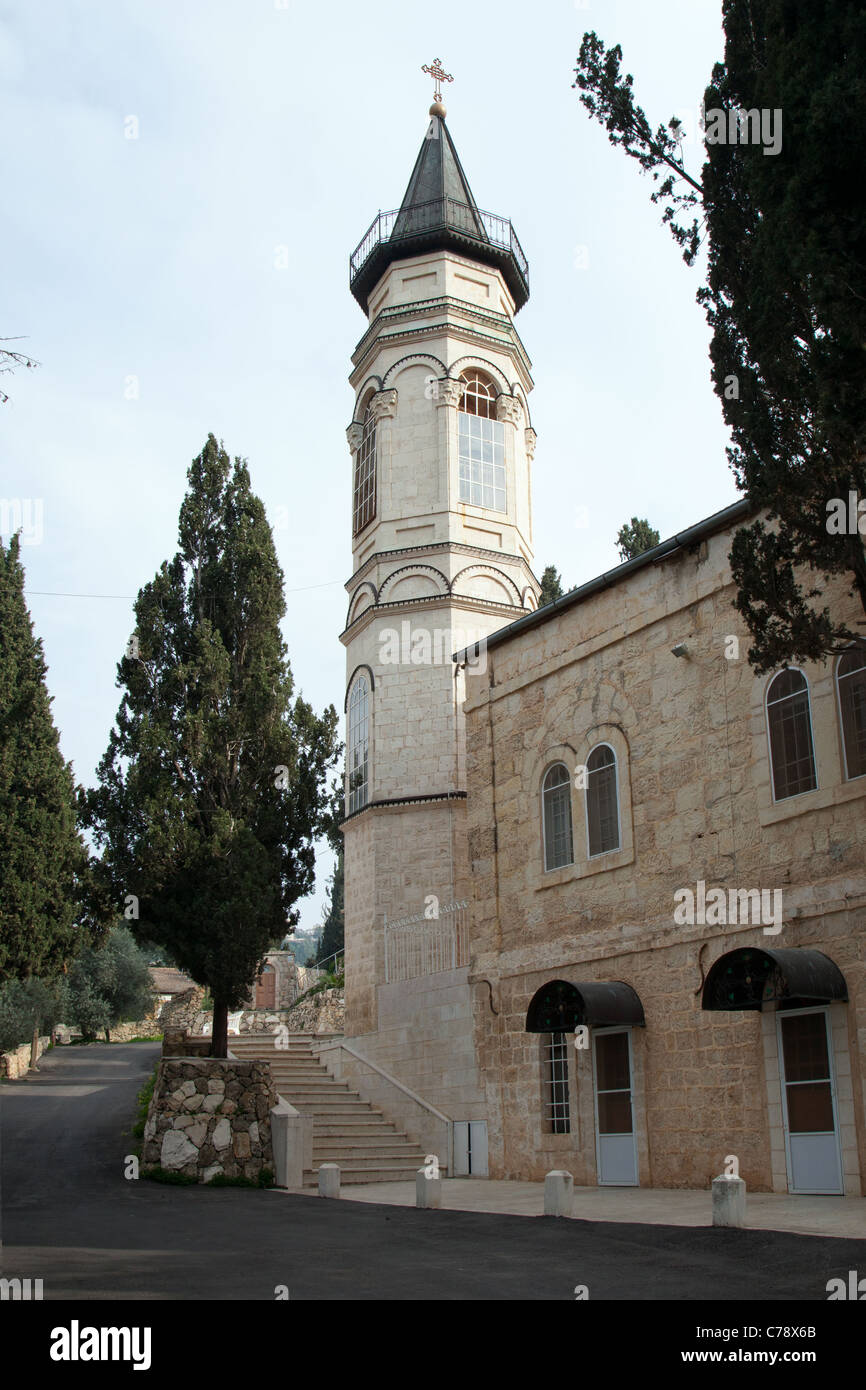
x=346, y=1129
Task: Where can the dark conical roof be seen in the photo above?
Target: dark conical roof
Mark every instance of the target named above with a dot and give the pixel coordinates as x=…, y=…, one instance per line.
x=438, y=176
x=438, y=212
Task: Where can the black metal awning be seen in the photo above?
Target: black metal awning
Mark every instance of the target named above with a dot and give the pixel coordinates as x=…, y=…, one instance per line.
x=749, y=978
x=561, y=1007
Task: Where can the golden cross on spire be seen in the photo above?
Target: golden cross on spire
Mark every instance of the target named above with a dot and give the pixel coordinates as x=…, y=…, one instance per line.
x=439, y=75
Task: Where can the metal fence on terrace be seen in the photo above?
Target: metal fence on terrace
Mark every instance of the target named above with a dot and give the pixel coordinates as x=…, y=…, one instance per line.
x=419, y=945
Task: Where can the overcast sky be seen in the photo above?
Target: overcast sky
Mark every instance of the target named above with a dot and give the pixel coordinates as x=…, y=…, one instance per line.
x=145, y=275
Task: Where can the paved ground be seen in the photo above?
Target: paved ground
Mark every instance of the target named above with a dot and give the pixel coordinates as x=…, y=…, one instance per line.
x=766, y=1211
x=71, y=1219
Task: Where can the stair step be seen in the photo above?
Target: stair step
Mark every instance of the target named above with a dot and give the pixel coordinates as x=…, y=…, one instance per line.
x=332, y=1151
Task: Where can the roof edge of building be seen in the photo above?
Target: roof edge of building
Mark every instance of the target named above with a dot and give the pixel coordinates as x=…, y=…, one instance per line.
x=692, y=535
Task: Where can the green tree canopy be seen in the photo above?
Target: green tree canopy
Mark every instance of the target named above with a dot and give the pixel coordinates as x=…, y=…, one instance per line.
x=333, y=932
x=551, y=586
x=28, y=1006
x=785, y=294
x=43, y=862
x=635, y=538
x=109, y=985
x=213, y=787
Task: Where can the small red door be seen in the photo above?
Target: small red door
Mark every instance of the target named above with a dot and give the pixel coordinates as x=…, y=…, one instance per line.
x=266, y=992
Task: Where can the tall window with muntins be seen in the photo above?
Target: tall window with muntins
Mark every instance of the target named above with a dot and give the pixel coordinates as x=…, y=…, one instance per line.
x=851, y=687
x=481, y=450
x=556, y=817
x=602, y=801
x=364, y=507
x=557, y=1117
x=789, y=725
x=357, y=756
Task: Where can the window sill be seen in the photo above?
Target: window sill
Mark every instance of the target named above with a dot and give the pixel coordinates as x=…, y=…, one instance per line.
x=812, y=801
x=602, y=864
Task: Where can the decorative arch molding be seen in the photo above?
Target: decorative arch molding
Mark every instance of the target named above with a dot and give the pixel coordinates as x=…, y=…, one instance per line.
x=363, y=591
x=542, y=761
x=462, y=363
x=498, y=574
x=371, y=387
x=368, y=670
x=611, y=707
x=423, y=571
x=528, y=600
x=415, y=359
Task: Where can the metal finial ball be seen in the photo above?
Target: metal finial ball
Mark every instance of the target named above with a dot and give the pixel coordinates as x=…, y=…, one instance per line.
x=438, y=109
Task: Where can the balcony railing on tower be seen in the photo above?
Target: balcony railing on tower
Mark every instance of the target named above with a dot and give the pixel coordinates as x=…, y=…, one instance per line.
x=401, y=227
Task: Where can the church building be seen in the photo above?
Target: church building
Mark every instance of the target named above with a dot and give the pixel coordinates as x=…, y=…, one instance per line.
x=605, y=892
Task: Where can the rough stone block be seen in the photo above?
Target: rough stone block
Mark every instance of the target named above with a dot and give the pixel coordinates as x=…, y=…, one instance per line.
x=176, y=1150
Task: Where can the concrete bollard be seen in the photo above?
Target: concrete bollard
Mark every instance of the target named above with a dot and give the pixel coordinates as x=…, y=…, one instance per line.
x=428, y=1191
x=558, y=1193
x=729, y=1201
x=329, y=1180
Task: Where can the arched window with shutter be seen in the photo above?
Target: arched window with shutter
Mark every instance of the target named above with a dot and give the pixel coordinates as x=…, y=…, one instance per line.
x=556, y=817
x=851, y=691
x=602, y=801
x=358, y=747
x=364, y=503
x=789, y=730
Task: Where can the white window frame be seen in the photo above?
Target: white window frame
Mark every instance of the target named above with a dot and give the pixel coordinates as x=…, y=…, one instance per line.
x=617, y=848
x=853, y=647
x=544, y=776
x=777, y=801
x=358, y=798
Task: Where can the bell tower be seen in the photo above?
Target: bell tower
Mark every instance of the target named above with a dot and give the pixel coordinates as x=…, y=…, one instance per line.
x=442, y=447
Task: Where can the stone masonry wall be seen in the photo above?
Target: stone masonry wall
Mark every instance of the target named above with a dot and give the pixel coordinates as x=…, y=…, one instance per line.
x=210, y=1115
x=696, y=804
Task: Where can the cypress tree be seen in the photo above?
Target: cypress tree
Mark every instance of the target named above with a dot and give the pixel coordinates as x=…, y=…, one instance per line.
x=783, y=220
x=43, y=862
x=212, y=790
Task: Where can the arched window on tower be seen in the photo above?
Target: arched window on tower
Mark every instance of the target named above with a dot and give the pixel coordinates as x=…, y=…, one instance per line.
x=481, y=450
x=789, y=727
x=602, y=801
x=364, y=508
x=556, y=817
x=851, y=688
x=358, y=747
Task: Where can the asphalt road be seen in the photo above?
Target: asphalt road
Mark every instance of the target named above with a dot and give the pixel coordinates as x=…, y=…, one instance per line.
x=70, y=1218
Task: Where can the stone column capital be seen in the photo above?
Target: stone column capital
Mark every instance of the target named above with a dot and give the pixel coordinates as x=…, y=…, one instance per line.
x=509, y=409
x=448, y=392
x=355, y=434
x=531, y=438
x=384, y=405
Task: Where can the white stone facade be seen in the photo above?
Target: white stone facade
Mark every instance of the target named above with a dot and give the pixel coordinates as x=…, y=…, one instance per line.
x=432, y=574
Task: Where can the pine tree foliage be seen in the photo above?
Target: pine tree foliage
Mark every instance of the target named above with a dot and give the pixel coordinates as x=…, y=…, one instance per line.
x=332, y=941
x=785, y=297
x=213, y=790
x=636, y=538
x=43, y=862
x=551, y=586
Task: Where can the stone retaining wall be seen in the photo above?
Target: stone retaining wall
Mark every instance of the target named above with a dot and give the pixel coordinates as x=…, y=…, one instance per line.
x=210, y=1115
x=15, y=1064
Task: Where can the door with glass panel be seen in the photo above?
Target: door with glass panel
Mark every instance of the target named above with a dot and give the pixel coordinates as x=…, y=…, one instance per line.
x=809, y=1102
x=614, y=1110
